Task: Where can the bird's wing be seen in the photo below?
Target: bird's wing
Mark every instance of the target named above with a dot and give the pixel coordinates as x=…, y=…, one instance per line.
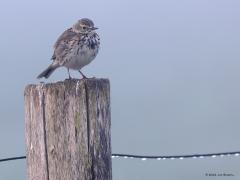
x=65, y=36
x=63, y=44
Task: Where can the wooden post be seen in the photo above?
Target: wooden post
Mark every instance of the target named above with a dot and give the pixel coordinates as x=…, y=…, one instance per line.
x=68, y=130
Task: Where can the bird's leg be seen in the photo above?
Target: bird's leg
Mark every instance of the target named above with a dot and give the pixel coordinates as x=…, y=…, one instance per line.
x=69, y=76
x=84, y=77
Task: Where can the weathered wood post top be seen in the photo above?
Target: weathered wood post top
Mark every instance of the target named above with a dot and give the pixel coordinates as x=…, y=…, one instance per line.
x=68, y=130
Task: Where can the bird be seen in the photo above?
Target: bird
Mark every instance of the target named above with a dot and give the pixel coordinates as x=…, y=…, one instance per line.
x=75, y=48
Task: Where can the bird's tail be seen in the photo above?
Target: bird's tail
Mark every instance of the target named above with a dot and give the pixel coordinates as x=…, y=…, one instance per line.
x=47, y=72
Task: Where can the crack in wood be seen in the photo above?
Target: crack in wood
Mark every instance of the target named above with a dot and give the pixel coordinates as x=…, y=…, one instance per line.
x=90, y=149
x=44, y=131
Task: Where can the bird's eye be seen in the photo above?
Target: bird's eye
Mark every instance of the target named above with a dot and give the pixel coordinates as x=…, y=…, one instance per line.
x=84, y=27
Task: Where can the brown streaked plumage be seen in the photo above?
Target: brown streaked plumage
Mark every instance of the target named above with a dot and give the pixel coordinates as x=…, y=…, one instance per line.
x=75, y=48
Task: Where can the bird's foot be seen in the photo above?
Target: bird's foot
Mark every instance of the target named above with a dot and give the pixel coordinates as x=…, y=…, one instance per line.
x=69, y=78
x=83, y=76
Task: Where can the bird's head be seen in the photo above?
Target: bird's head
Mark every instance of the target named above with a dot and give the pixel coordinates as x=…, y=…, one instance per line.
x=84, y=26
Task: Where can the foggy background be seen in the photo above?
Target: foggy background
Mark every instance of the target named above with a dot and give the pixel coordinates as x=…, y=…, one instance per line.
x=174, y=70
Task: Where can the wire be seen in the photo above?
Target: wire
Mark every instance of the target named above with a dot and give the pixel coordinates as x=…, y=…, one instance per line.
x=12, y=158
x=131, y=156
x=194, y=156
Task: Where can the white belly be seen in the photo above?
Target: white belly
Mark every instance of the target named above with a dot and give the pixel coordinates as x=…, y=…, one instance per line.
x=80, y=57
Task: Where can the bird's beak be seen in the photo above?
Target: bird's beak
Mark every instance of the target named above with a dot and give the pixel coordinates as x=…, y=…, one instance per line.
x=94, y=28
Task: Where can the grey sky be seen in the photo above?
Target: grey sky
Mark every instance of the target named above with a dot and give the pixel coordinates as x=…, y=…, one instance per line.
x=174, y=72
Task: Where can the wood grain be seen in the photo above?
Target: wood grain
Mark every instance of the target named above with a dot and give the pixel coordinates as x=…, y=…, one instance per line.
x=68, y=130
